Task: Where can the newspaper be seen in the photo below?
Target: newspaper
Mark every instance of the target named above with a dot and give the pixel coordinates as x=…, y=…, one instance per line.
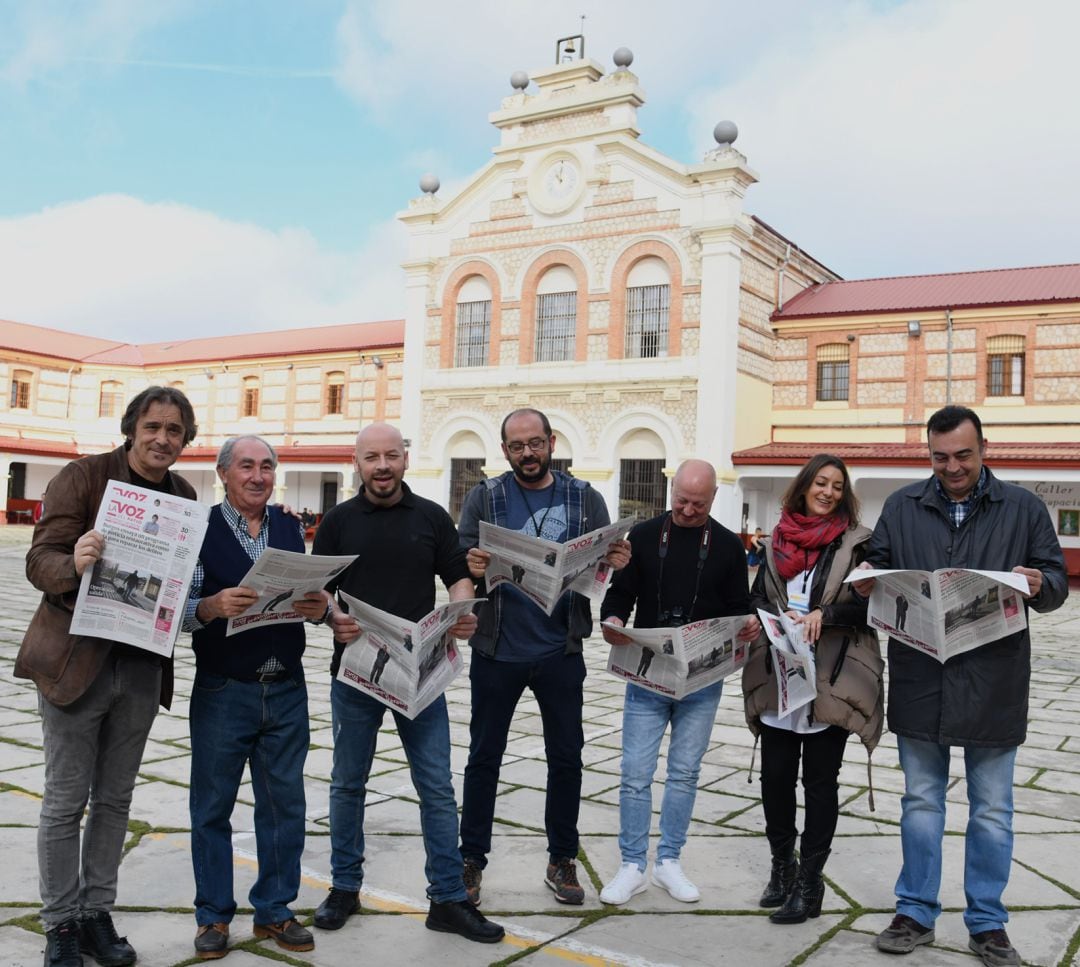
x=280, y=577
x=946, y=612
x=544, y=570
x=793, y=660
x=404, y=664
x=679, y=661
x=135, y=592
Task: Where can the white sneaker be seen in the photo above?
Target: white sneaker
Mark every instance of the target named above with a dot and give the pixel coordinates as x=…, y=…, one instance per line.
x=669, y=875
x=628, y=882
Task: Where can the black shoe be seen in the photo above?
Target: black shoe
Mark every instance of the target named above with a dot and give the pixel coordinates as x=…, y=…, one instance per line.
x=804, y=900
x=212, y=941
x=337, y=908
x=472, y=876
x=462, y=918
x=62, y=945
x=288, y=935
x=97, y=937
x=782, y=877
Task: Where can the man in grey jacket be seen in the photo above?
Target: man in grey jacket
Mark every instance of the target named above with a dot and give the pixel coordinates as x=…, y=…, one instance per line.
x=517, y=646
x=962, y=517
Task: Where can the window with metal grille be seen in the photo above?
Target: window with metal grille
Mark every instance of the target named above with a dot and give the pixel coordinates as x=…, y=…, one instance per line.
x=642, y=488
x=556, y=320
x=20, y=389
x=647, y=309
x=473, y=333
x=249, y=404
x=110, y=399
x=335, y=392
x=1005, y=366
x=832, y=371
x=561, y=463
x=465, y=473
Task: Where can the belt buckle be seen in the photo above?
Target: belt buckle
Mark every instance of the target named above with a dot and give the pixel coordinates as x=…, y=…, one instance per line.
x=268, y=678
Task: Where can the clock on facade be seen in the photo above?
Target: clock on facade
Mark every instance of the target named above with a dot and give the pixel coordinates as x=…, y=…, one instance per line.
x=556, y=183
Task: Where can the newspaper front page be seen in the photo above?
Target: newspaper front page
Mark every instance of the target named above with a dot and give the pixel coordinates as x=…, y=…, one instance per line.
x=946, y=612
x=794, y=662
x=679, y=661
x=545, y=570
x=281, y=577
x=135, y=592
x=404, y=664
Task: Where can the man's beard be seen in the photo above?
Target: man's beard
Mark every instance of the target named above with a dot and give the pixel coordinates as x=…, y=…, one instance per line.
x=533, y=473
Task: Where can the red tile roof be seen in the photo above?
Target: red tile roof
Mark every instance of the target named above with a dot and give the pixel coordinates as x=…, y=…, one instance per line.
x=319, y=453
x=39, y=340
x=39, y=448
x=907, y=454
x=913, y=293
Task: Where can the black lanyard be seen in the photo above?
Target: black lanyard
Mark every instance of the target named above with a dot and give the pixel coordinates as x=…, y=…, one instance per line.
x=662, y=551
x=532, y=513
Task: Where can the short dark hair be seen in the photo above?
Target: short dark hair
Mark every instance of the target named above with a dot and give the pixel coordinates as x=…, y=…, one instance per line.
x=170, y=396
x=522, y=412
x=794, y=499
x=948, y=418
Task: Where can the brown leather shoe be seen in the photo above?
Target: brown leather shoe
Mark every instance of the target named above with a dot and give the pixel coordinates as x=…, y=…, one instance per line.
x=288, y=934
x=212, y=941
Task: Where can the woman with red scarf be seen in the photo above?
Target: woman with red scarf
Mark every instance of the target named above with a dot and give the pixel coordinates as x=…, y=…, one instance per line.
x=816, y=544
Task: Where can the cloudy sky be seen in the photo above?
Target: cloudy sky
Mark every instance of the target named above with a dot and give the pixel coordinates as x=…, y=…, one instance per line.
x=200, y=167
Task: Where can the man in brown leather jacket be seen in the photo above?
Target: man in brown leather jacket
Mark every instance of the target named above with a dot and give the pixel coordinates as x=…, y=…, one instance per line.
x=97, y=698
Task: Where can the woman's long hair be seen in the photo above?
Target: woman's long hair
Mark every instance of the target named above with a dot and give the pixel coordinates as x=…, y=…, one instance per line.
x=794, y=499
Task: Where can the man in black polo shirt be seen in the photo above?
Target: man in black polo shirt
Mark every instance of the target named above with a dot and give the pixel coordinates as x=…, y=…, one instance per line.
x=404, y=542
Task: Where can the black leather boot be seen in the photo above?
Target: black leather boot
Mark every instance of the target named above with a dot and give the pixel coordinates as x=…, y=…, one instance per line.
x=806, y=895
x=782, y=877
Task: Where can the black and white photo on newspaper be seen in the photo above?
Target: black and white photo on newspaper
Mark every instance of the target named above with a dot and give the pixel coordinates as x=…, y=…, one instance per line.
x=793, y=661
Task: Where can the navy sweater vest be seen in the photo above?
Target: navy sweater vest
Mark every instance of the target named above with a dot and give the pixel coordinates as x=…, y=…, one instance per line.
x=224, y=563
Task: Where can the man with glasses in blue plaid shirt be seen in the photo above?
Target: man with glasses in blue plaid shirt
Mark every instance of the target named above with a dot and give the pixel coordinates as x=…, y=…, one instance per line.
x=962, y=517
x=248, y=705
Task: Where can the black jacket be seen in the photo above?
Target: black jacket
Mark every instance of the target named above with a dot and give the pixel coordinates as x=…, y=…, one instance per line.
x=978, y=698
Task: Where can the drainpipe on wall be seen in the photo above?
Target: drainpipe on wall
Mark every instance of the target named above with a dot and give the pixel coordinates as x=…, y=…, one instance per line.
x=948, y=357
x=780, y=280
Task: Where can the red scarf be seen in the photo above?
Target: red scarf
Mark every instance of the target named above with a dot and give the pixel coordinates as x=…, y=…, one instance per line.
x=798, y=540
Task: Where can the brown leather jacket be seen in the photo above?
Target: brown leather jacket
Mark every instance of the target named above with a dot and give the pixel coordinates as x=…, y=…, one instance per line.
x=63, y=665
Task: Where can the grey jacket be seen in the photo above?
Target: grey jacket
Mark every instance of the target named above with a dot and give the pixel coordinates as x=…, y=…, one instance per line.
x=849, y=662
x=486, y=501
x=978, y=698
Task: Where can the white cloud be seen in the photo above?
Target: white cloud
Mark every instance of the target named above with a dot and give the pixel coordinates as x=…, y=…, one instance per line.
x=935, y=136
x=118, y=267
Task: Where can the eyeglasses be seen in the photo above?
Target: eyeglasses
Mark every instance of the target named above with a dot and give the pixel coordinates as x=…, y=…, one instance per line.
x=537, y=444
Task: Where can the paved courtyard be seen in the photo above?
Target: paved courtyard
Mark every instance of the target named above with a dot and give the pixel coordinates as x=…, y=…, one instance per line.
x=726, y=856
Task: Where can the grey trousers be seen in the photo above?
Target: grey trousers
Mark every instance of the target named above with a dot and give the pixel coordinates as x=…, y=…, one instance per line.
x=93, y=749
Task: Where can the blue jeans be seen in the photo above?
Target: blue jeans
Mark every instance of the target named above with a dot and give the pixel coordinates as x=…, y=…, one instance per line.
x=557, y=683
x=645, y=719
x=234, y=723
x=93, y=748
x=356, y=719
x=988, y=842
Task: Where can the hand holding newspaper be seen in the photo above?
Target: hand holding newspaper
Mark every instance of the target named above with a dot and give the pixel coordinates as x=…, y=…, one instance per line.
x=946, y=612
x=135, y=592
x=404, y=664
x=679, y=661
x=281, y=577
x=793, y=661
x=545, y=570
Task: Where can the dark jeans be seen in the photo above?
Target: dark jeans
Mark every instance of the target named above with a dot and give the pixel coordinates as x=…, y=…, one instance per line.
x=822, y=754
x=496, y=687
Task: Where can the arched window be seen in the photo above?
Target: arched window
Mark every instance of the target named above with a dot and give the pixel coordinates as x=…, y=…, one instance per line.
x=642, y=484
x=648, y=304
x=472, y=330
x=111, y=398
x=556, y=315
x=335, y=392
x=249, y=400
x=1005, y=366
x=20, y=389
x=832, y=371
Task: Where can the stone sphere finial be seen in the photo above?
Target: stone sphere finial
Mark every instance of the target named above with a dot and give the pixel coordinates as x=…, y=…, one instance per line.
x=519, y=80
x=623, y=58
x=725, y=133
x=429, y=183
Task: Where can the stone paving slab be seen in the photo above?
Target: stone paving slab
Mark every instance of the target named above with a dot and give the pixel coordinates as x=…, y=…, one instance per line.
x=726, y=855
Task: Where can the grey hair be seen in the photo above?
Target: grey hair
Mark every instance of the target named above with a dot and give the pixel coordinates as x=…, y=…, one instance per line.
x=225, y=454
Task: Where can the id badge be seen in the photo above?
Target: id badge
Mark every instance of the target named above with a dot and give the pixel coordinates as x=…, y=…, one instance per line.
x=799, y=601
